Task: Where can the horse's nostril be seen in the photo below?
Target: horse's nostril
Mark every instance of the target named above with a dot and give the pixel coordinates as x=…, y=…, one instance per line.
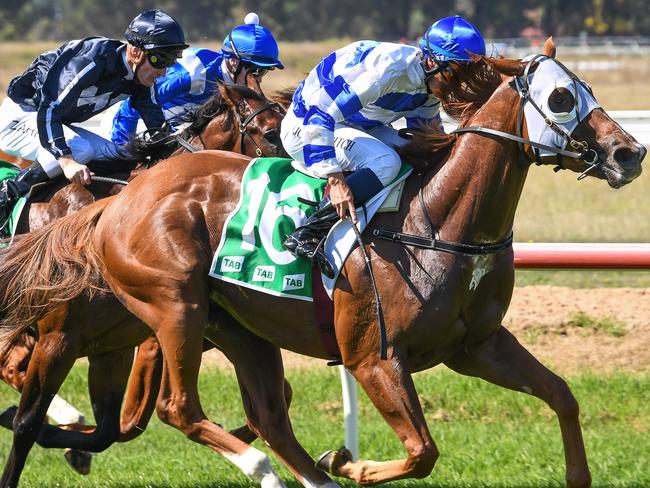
x=628, y=155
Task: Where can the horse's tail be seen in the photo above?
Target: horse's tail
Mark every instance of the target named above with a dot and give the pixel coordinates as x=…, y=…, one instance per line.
x=48, y=267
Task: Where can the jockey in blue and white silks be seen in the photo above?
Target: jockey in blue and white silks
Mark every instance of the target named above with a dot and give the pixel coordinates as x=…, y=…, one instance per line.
x=71, y=84
x=341, y=113
x=188, y=84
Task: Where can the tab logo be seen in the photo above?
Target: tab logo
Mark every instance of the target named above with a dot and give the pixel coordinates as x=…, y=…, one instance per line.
x=293, y=282
x=264, y=273
x=232, y=264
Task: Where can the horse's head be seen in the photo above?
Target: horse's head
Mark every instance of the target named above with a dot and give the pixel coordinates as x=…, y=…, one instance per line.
x=258, y=121
x=561, y=112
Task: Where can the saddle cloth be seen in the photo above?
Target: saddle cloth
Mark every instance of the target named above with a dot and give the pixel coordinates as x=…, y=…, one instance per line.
x=250, y=252
x=8, y=228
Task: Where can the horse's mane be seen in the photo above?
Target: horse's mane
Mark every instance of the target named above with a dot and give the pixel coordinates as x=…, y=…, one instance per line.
x=285, y=96
x=462, y=90
x=197, y=121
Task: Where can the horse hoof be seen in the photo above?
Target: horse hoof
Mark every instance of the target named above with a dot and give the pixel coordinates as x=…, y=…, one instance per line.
x=7, y=417
x=79, y=460
x=331, y=461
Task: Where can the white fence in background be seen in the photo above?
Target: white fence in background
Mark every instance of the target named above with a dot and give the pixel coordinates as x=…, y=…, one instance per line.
x=580, y=45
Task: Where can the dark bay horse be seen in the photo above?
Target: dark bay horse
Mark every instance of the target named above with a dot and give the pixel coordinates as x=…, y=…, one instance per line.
x=152, y=245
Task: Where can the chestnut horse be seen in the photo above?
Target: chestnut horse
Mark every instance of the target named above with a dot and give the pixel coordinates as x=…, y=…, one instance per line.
x=443, y=300
x=235, y=118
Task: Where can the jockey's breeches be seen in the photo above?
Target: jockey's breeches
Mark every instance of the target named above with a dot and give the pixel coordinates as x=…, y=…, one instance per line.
x=354, y=148
x=19, y=137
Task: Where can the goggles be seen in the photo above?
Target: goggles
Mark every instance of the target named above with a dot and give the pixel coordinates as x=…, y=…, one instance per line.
x=255, y=70
x=162, y=59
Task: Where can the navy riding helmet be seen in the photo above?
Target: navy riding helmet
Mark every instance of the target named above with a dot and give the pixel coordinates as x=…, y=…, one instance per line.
x=156, y=30
x=452, y=39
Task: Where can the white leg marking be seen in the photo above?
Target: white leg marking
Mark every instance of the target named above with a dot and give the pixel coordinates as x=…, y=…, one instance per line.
x=63, y=413
x=256, y=465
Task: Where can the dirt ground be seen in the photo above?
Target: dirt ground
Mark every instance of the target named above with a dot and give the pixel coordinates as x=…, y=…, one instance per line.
x=600, y=329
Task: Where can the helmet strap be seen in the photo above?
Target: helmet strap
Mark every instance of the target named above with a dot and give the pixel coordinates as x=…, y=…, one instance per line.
x=235, y=68
x=430, y=72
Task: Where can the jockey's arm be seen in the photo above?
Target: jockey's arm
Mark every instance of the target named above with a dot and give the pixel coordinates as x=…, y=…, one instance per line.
x=125, y=123
x=426, y=118
x=62, y=89
x=146, y=104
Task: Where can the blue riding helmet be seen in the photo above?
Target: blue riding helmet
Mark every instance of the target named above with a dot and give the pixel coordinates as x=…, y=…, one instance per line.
x=252, y=43
x=155, y=29
x=452, y=39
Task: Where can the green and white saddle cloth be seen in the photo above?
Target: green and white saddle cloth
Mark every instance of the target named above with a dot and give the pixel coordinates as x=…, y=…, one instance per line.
x=8, y=228
x=250, y=252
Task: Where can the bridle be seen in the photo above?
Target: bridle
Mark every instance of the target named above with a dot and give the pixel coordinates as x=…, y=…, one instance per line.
x=582, y=152
x=581, y=149
x=243, y=132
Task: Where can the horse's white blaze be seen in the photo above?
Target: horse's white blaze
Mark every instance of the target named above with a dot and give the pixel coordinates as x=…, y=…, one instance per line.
x=483, y=264
x=256, y=465
x=63, y=413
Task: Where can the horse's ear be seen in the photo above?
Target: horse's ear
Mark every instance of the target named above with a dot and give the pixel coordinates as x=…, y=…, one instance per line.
x=549, y=47
x=231, y=97
x=509, y=67
x=253, y=83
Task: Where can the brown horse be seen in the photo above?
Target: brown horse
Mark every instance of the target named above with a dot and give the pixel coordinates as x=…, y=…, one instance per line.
x=152, y=245
x=235, y=118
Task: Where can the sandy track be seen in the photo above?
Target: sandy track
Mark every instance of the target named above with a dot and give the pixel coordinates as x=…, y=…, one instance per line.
x=615, y=331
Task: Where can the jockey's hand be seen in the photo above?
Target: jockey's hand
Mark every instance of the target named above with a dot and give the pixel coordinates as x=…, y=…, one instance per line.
x=75, y=172
x=341, y=196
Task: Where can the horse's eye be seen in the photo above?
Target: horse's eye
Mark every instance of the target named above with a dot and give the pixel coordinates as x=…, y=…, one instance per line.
x=271, y=135
x=561, y=100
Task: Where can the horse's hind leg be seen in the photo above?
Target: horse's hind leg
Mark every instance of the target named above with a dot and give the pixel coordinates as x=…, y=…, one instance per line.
x=265, y=395
x=13, y=366
x=502, y=360
x=108, y=374
x=51, y=361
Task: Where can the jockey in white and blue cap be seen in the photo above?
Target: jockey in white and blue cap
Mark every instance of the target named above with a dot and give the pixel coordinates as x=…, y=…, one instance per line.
x=340, y=117
x=190, y=82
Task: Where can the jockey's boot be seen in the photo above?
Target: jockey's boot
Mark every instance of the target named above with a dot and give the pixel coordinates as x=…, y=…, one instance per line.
x=307, y=240
x=14, y=188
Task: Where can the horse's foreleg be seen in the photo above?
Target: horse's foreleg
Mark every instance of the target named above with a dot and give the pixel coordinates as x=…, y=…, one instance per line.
x=265, y=395
x=107, y=377
x=391, y=389
x=502, y=360
x=142, y=391
x=179, y=329
x=51, y=361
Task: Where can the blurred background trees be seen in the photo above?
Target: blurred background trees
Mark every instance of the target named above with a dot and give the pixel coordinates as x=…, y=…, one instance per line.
x=310, y=20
